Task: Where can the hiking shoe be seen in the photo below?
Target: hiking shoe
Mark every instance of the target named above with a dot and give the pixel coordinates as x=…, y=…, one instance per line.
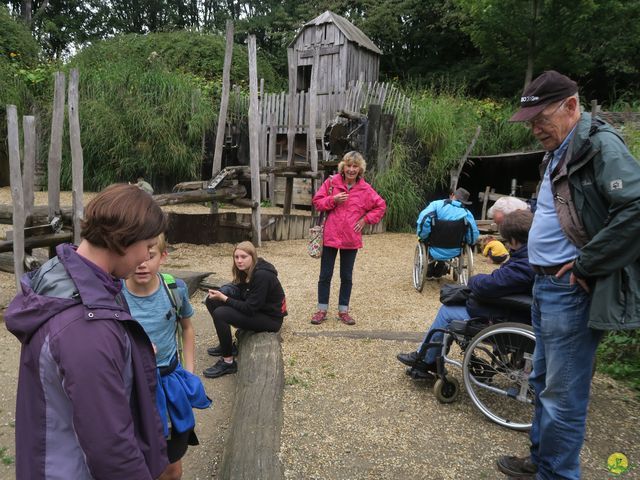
x=413, y=360
x=217, y=351
x=409, y=359
x=220, y=368
x=517, y=467
x=319, y=317
x=345, y=318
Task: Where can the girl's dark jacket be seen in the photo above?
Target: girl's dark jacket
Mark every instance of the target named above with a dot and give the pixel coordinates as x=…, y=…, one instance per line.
x=600, y=213
x=513, y=279
x=263, y=293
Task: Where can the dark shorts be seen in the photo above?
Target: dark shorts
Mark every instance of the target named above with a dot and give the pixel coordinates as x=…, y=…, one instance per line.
x=177, y=444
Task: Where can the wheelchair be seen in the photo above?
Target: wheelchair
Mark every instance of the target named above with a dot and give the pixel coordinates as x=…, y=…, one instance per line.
x=496, y=363
x=444, y=234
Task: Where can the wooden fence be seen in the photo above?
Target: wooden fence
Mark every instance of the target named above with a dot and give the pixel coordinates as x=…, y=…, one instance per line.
x=274, y=107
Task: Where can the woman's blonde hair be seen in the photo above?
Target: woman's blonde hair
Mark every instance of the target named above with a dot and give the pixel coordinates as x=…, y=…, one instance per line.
x=354, y=158
x=238, y=275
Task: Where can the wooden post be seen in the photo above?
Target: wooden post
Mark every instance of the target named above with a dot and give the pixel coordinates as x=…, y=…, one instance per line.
x=273, y=134
x=55, y=147
x=224, y=105
x=253, y=441
x=385, y=140
x=312, y=147
x=373, y=129
x=77, y=161
x=254, y=140
x=455, y=174
x=291, y=132
x=29, y=163
x=224, y=100
x=15, y=179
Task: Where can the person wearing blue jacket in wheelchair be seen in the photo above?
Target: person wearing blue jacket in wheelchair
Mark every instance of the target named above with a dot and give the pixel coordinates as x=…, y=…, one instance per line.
x=452, y=208
x=513, y=277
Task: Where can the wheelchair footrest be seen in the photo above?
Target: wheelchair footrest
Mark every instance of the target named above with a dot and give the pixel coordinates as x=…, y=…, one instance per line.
x=416, y=374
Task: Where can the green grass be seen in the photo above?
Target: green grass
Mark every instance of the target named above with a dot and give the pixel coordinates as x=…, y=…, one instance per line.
x=6, y=459
x=619, y=357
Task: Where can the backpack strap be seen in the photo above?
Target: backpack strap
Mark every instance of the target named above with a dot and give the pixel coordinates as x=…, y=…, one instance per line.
x=171, y=289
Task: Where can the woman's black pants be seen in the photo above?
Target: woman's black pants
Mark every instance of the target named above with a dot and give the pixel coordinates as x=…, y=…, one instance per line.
x=225, y=316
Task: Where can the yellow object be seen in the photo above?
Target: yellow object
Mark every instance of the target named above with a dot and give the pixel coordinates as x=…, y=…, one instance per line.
x=495, y=249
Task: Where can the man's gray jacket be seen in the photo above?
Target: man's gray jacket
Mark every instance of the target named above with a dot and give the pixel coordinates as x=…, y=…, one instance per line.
x=604, y=185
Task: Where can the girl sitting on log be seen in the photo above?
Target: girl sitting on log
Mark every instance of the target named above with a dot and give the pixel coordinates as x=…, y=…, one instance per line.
x=258, y=304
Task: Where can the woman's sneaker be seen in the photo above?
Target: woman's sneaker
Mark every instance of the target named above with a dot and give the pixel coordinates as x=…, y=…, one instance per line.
x=319, y=317
x=217, y=351
x=345, y=318
x=221, y=368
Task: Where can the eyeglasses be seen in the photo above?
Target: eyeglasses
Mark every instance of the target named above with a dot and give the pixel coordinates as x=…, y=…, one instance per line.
x=543, y=120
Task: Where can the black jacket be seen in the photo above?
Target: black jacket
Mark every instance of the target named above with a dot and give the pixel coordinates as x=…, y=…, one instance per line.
x=263, y=293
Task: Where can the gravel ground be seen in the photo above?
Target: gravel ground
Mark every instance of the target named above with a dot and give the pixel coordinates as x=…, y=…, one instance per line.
x=350, y=412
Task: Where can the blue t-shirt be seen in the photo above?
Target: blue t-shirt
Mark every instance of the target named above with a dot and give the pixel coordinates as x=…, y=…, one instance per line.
x=548, y=245
x=155, y=313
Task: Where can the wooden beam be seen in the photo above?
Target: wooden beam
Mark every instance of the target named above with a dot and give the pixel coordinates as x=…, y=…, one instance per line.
x=39, y=216
x=29, y=264
x=55, y=146
x=224, y=100
x=291, y=132
x=77, y=161
x=195, y=196
x=50, y=240
x=253, y=442
x=254, y=128
x=29, y=164
x=15, y=180
x=455, y=174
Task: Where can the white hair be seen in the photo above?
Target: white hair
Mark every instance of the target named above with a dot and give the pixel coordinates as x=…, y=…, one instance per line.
x=506, y=205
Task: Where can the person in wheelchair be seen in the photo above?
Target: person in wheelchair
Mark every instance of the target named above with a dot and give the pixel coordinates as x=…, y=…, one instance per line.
x=452, y=208
x=513, y=277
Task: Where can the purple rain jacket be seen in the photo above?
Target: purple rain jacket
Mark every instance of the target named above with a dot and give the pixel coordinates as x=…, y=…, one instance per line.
x=85, y=407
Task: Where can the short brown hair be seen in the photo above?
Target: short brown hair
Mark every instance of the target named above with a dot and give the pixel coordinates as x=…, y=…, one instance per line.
x=121, y=215
x=516, y=226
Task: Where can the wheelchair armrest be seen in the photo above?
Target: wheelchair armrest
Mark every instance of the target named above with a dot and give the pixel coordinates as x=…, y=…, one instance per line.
x=516, y=301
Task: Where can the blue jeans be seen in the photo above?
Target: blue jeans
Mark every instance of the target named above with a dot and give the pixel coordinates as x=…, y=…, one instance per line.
x=445, y=316
x=327, y=262
x=561, y=377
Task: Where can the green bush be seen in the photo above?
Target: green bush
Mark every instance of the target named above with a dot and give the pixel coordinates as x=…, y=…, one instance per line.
x=619, y=356
x=16, y=42
x=398, y=187
x=145, y=103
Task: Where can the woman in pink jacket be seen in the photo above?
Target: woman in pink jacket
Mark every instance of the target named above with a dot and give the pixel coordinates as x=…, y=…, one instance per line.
x=350, y=203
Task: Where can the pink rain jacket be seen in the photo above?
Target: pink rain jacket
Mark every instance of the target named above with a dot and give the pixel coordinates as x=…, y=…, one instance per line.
x=363, y=201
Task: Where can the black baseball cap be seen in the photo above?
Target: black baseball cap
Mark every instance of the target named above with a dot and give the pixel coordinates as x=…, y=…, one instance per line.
x=546, y=89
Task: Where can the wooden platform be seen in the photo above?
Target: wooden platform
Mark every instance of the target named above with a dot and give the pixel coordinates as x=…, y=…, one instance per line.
x=232, y=227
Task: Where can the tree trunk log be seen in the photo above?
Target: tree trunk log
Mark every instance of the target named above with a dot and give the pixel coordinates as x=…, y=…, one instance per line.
x=194, y=196
x=49, y=240
x=6, y=262
x=253, y=444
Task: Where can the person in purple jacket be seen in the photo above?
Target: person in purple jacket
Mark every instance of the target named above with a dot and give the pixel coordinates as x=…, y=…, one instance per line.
x=513, y=277
x=350, y=203
x=85, y=406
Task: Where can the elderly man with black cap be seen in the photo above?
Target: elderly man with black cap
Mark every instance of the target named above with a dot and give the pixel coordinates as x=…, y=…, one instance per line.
x=583, y=247
x=452, y=208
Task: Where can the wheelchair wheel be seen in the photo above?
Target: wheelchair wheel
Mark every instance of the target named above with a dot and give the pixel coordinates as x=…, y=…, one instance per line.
x=496, y=368
x=446, y=389
x=420, y=262
x=463, y=266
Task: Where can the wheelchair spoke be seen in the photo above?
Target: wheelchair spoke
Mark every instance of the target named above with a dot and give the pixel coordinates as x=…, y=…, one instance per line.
x=496, y=371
